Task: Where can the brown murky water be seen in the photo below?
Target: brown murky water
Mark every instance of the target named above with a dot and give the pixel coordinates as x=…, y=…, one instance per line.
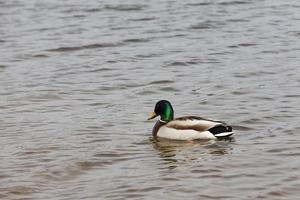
x=79, y=78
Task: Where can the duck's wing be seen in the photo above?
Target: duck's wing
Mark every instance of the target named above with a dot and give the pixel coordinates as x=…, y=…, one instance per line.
x=192, y=122
x=198, y=118
x=200, y=124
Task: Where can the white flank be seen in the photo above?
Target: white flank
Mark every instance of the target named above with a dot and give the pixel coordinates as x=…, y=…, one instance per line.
x=171, y=133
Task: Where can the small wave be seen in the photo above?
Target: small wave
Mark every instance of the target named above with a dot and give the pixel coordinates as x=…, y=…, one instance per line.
x=100, y=70
x=194, y=61
x=208, y=24
x=40, y=56
x=292, y=96
x=90, y=10
x=247, y=44
x=161, y=82
x=89, y=46
x=233, y=46
x=237, y=20
x=294, y=33
x=136, y=40
x=151, y=55
x=37, y=151
x=220, y=53
x=241, y=128
x=143, y=19
x=112, y=88
x=239, y=92
x=252, y=121
x=205, y=171
x=277, y=194
x=112, y=155
x=270, y=52
x=206, y=196
x=228, y=3
x=263, y=98
x=239, y=75
x=169, y=89
x=279, y=150
x=79, y=16
x=44, y=97
x=96, y=141
x=202, y=26
x=69, y=172
x=146, y=92
x=176, y=35
x=199, y=4
x=87, y=165
x=125, y=7
x=175, y=63
x=21, y=190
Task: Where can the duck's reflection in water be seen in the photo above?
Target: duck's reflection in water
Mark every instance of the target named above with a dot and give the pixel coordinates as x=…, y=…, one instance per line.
x=174, y=153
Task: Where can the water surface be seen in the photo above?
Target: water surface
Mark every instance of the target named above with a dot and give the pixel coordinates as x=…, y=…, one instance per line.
x=78, y=80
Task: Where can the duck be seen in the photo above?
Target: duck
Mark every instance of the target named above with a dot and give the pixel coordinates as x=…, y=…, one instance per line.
x=185, y=128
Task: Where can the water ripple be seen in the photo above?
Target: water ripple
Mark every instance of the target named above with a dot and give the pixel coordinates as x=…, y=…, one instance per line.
x=125, y=7
x=89, y=46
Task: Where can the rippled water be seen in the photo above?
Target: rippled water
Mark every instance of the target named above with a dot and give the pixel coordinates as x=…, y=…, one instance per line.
x=79, y=78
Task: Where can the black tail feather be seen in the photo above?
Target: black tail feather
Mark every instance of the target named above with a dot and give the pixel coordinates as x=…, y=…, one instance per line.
x=220, y=129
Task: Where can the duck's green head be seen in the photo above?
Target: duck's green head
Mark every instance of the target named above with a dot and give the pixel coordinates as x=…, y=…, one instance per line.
x=163, y=109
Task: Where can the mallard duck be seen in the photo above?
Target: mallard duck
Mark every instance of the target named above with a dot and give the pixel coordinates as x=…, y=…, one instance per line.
x=185, y=128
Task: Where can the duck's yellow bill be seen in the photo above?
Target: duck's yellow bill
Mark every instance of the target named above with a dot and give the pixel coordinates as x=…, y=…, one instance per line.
x=152, y=115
